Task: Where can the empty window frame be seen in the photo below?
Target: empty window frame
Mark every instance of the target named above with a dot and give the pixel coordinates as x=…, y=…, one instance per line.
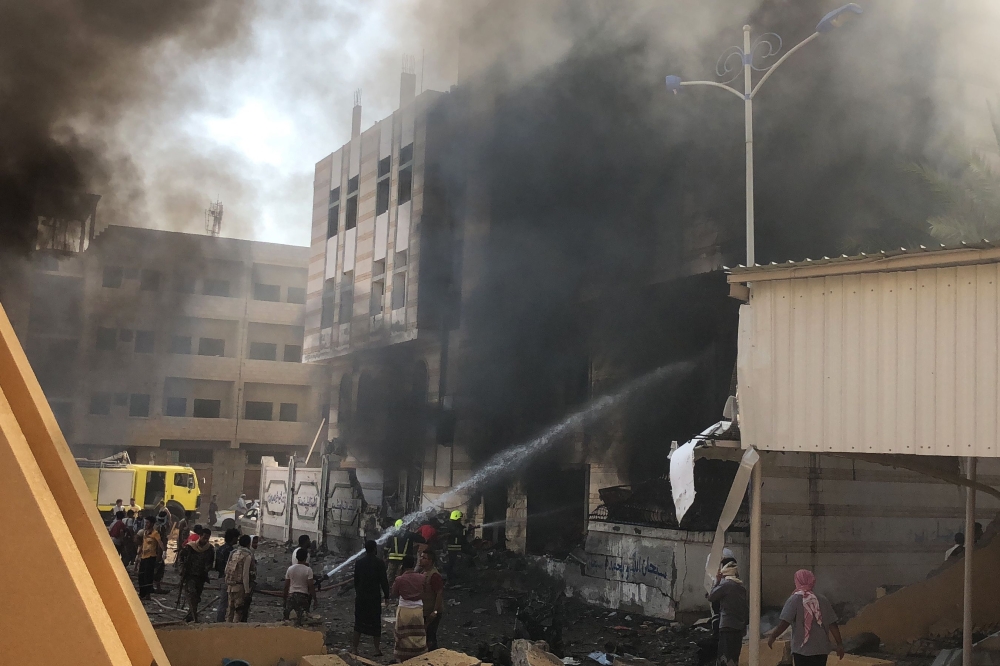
x=113, y=277
x=180, y=344
x=211, y=347
x=384, y=166
x=329, y=297
x=175, y=407
x=405, y=185
x=352, y=185
x=263, y=351
x=297, y=295
x=398, y=291
x=351, y=220
x=333, y=214
x=289, y=411
x=406, y=154
x=258, y=411
x=382, y=196
x=138, y=404
x=378, y=291
x=267, y=292
x=196, y=456
x=293, y=354
x=212, y=287
x=100, y=404
x=107, y=339
x=347, y=298
x=145, y=342
x=207, y=409
x=149, y=280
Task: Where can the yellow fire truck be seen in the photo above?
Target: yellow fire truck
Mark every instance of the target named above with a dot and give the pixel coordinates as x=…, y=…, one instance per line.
x=116, y=477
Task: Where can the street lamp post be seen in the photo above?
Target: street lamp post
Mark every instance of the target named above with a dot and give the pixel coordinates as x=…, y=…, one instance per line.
x=766, y=46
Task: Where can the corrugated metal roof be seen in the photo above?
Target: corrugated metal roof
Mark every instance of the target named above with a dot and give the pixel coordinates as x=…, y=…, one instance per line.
x=941, y=255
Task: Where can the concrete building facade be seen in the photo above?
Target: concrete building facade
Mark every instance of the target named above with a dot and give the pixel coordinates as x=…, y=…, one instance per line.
x=176, y=348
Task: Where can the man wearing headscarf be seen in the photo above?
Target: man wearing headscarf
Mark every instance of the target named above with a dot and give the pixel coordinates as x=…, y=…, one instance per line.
x=813, y=622
x=734, y=612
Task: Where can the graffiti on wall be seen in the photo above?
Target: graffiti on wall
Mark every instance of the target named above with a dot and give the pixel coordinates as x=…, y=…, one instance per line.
x=275, y=497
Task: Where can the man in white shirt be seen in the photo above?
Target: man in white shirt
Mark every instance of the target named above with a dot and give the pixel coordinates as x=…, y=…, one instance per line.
x=300, y=589
x=303, y=544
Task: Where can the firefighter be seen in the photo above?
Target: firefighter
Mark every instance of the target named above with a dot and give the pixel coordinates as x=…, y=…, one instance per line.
x=401, y=544
x=457, y=542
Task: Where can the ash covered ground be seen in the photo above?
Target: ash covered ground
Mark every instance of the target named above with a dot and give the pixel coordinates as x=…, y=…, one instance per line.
x=497, y=596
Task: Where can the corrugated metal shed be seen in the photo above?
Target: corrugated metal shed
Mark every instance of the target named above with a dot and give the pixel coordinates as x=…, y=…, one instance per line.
x=887, y=353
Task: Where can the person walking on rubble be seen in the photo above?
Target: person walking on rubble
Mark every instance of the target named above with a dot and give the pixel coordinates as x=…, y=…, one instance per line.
x=213, y=510
x=248, y=599
x=433, y=596
x=231, y=539
x=734, y=612
x=813, y=622
x=198, y=559
x=370, y=587
x=411, y=636
x=457, y=543
x=152, y=545
x=300, y=588
x=238, y=575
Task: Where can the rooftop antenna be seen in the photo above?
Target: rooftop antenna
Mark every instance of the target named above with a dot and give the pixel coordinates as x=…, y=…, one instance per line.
x=213, y=219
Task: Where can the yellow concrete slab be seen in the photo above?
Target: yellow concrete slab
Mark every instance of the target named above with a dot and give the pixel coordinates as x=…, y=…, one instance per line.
x=443, y=657
x=258, y=644
x=46, y=586
x=322, y=660
x=73, y=504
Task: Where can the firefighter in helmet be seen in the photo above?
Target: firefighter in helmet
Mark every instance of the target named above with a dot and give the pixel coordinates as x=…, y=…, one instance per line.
x=457, y=540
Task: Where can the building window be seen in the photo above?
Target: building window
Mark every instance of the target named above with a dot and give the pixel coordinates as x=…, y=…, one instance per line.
x=297, y=295
x=378, y=267
x=329, y=294
x=180, y=344
x=144, y=342
x=211, y=347
x=347, y=298
x=107, y=339
x=378, y=291
x=352, y=213
x=406, y=153
x=149, y=280
x=289, y=411
x=405, y=185
x=400, y=259
x=332, y=220
x=258, y=411
x=126, y=334
x=398, y=290
x=211, y=287
x=263, y=351
x=100, y=404
x=382, y=196
x=384, y=166
x=352, y=185
x=207, y=409
x=267, y=292
x=184, y=284
x=113, y=277
x=293, y=354
x=175, y=407
x=194, y=456
x=334, y=197
x=138, y=404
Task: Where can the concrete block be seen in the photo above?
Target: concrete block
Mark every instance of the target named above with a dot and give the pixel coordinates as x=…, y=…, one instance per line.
x=322, y=660
x=258, y=644
x=526, y=653
x=443, y=657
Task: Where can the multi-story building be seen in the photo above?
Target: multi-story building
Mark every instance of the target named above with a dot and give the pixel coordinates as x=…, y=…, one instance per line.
x=175, y=348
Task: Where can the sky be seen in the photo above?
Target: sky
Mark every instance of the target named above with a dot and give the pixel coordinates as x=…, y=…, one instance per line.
x=266, y=115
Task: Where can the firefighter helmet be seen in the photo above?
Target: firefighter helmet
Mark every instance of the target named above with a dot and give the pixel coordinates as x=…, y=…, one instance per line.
x=457, y=515
x=399, y=523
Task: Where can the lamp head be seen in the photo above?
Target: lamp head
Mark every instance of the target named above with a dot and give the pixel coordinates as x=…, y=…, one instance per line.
x=673, y=84
x=838, y=17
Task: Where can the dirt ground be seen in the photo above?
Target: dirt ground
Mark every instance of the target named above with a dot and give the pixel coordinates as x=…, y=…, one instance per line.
x=530, y=606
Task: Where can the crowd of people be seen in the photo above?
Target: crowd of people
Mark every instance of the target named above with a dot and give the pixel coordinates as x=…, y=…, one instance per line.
x=409, y=573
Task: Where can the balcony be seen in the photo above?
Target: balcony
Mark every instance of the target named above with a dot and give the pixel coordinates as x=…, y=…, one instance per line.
x=122, y=432
x=270, y=312
x=285, y=433
x=193, y=366
x=280, y=372
x=212, y=307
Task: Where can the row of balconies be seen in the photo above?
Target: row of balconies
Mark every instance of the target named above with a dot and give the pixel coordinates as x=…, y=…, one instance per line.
x=126, y=431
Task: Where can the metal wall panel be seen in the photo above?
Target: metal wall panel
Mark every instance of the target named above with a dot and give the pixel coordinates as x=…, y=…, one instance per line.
x=890, y=362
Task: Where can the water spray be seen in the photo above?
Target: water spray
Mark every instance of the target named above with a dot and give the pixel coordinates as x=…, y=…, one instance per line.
x=515, y=457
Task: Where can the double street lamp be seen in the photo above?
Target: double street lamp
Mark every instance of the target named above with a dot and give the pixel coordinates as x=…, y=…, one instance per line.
x=766, y=46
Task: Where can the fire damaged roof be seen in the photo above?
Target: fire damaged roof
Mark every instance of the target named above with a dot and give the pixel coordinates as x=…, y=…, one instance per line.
x=651, y=503
x=983, y=251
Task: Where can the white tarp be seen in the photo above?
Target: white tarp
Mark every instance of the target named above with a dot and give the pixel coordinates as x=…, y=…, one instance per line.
x=682, y=478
